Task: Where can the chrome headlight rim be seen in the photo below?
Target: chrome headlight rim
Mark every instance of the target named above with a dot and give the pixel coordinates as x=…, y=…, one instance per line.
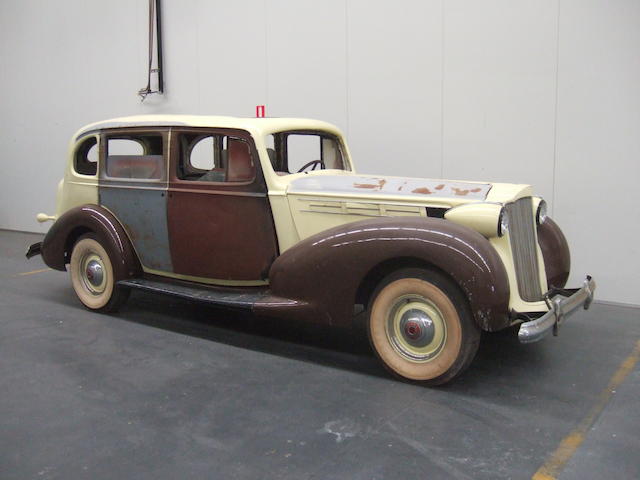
x=503, y=222
x=541, y=212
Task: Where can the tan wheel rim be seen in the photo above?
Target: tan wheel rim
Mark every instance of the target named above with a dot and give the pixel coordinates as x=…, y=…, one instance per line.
x=415, y=329
x=91, y=273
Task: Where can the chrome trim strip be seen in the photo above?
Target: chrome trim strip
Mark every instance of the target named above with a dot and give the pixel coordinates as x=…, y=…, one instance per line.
x=347, y=213
x=378, y=201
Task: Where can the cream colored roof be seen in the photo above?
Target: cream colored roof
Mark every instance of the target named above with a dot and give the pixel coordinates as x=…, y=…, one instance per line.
x=257, y=126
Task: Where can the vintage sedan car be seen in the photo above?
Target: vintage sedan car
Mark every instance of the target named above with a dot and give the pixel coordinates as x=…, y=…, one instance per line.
x=269, y=215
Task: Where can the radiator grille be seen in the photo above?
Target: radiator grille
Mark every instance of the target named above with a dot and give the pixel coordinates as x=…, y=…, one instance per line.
x=522, y=231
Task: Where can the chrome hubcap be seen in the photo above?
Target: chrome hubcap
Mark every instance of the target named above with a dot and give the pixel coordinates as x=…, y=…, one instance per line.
x=93, y=274
x=416, y=328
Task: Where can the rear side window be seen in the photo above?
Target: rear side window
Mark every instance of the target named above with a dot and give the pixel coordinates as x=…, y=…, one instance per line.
x=139, y=157
x=86, y=157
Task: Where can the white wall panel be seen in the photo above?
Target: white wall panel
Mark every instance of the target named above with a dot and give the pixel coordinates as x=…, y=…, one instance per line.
x=181, y=45
x=61, y=68
x=598, y=166
x=394, y=61
x=541, y=92
x=499, y=91
x=306, y=60
x=230, y=56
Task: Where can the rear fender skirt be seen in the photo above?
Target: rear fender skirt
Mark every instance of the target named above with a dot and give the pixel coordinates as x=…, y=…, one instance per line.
x=59, y=240
x=555, y=251
x=326, y=270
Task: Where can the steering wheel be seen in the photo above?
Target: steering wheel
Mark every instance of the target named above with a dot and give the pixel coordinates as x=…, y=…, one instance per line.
x=315, y=163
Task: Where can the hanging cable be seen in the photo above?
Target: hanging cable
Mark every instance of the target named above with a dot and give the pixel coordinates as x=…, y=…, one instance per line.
x=154, y=14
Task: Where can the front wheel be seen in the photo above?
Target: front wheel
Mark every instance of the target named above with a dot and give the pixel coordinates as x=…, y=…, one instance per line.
x=92, y=276
x=421, y=327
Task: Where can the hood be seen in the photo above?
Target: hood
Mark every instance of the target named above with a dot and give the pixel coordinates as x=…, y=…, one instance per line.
x=401, y=188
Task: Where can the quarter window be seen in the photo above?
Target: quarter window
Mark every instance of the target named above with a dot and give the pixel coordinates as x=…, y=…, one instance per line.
x=135, y=157
x=86, y=157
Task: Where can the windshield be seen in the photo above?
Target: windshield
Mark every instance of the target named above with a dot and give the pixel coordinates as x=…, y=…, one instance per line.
x=304, y=151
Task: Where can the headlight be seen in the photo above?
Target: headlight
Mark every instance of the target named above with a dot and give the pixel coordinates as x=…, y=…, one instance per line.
x=503, y=222
x=541, y=213
x=484, y=218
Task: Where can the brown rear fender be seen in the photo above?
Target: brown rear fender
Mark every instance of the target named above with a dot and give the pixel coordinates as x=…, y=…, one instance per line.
x=59, y=240
x=328, y=270
x=555, y=251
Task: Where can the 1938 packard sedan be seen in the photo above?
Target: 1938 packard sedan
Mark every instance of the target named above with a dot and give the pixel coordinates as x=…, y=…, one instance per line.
x=269, y=215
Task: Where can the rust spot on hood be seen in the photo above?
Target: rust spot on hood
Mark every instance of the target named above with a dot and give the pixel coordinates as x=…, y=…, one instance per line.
x=440, y=187
x=460, y=191
x=371, y=186
x=422, y=190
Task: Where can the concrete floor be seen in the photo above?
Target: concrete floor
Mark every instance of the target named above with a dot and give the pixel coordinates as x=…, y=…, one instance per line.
x=166, y=389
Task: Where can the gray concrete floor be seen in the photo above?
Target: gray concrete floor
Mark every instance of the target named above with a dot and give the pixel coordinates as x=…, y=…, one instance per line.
x=166, y=389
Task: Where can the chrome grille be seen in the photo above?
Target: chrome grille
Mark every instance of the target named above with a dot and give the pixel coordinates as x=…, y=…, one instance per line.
x=522, y=232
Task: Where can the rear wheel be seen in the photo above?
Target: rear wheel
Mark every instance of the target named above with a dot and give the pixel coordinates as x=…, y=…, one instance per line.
x=92, y=276
x=421, y=327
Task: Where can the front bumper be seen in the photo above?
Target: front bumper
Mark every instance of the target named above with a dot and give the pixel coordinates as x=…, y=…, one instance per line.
x=562, y=303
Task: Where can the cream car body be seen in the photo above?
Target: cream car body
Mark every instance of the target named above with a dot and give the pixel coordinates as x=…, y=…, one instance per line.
x=490, y=242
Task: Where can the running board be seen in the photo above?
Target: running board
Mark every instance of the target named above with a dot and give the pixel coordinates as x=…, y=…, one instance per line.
x=242, y=298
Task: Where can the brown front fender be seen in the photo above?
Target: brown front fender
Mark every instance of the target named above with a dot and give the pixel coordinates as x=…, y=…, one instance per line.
x=327, y=270
x=59, y=240
x=555, y=251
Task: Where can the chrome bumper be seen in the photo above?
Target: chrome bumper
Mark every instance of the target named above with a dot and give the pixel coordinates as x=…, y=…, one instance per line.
x=562, y=304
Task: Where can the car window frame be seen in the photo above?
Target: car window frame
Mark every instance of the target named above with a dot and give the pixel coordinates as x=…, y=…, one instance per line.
x=115, y=133
x=80, y=140
x=284, y=134
x=256, y=185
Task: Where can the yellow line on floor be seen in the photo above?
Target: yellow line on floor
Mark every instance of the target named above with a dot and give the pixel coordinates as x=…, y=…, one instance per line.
x=34, y=271
x=571, y=442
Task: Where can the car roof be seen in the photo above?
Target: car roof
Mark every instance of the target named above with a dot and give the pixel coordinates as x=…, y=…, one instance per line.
x=256, y=126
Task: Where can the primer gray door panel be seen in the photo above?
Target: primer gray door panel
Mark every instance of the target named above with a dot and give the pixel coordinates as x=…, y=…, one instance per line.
x=143, y=214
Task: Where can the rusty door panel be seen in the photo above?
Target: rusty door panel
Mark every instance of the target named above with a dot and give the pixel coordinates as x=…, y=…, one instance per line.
x=222, y=236
x=142, y=212
x=220, y=230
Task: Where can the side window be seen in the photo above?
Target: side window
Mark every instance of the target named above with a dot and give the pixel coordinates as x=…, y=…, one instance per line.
x=215, y=158
x=202, y=156
x=139, y=156
x=86, y=157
